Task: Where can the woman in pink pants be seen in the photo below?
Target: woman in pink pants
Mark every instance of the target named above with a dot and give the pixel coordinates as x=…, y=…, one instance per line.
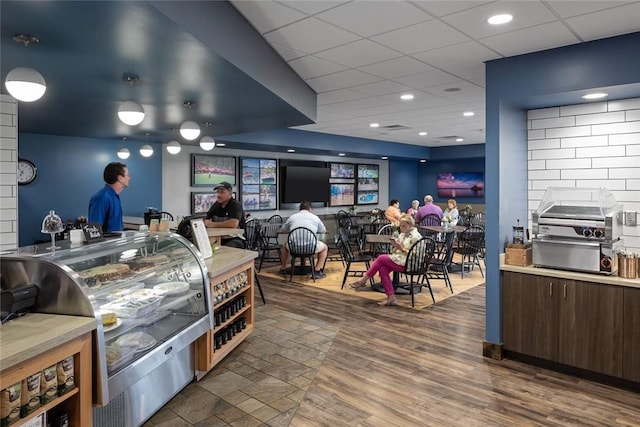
x=385, y=264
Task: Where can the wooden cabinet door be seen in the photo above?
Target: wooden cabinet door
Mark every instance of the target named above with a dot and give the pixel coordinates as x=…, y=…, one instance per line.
x=530, y=315
x=591, y=326
x=631, y=333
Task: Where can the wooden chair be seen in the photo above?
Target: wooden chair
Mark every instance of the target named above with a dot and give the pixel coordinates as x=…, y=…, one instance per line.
x=441, y=261
x=417, y=265
x=470, y=244
x=302, y=243
x=430, y=219
x=350, y=258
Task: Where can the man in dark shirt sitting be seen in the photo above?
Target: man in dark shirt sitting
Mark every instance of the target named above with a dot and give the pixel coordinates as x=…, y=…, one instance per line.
x=226, y=212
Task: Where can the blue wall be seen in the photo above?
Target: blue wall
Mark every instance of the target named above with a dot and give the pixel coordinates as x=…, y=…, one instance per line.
x=542, y=79
x=70, y=171
x=403, y=184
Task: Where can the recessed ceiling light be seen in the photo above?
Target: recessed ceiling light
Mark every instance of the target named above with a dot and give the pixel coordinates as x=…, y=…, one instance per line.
x=422, y=133
x=384, y=157
x=374, y=125
x=423, y=161
x=595, y=95
x=468, y=113
x=291, y=150
x=406, y=97
x=503, y=18
x=459, y=139
x=341, y=154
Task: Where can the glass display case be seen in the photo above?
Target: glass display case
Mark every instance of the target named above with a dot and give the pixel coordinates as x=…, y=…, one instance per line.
x=150, y=296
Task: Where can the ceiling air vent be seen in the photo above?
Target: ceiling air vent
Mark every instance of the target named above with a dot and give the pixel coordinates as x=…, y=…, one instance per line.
x=395, y=127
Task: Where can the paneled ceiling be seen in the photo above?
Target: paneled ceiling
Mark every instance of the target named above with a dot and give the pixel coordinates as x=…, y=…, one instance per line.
x=358, y=56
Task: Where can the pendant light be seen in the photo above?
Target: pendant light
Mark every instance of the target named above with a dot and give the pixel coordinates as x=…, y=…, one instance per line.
x=25, y=84
x=189, y=130
x=130, y=112
x=174, y=147
x=207, y=143
x=124, y=152
x=146, y=150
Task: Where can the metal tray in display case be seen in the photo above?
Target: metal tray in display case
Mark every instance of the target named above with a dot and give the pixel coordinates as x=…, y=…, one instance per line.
x=88, y=279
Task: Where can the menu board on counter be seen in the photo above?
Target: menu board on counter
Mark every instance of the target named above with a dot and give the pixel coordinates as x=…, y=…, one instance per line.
x=201, y=238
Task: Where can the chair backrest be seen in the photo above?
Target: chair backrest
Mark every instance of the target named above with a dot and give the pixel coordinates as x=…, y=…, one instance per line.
x=479, y=219
x=251, y=230
x=275, y=219
x=419, y=256
x=344, y=220
x=430, y=219
x=444, y=254
x=386, y=230
x=464, y=218
x=471, y=240
x=166, y=215
x=345, y=248
x=302, y=242
x=267, y=233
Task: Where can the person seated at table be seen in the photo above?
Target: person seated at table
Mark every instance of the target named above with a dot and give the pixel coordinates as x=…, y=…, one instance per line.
x=392, y=213
x=385, y=264
x=451, y=212
x=413, y=210
x=226, y=212
x=305, y=218
x=428, y=208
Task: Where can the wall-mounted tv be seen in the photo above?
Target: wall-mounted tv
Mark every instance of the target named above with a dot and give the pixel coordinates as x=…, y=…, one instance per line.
x=305, y=183
x=461, y=184
x=342, y=194
x=368, y=171
x=343, y=170
x=207, y=170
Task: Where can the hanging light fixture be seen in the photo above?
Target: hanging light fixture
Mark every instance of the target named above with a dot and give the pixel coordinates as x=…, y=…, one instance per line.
x=124, y=152
x=146, y=150
x=25, y=84
x=130, y=112
x=190, y=130
x=207, y=143
x=174, y=147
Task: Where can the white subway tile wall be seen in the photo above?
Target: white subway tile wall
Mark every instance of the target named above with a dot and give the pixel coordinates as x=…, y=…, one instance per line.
x=8, y=176
x=587, y=145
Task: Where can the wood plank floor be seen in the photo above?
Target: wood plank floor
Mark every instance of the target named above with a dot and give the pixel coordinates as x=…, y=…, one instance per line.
x=366, y=365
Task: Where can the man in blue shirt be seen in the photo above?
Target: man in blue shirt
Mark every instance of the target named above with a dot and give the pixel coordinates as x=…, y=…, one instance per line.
x=104, y=206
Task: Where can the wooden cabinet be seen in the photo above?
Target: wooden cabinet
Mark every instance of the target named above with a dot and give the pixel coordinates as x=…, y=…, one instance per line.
x=572, y=322
x=234, y=315
x=76, y=402
x=631, y=335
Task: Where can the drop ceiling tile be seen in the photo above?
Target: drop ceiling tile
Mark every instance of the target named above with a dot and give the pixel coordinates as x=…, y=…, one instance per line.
x=309, y=6
x=286, y=53
x=266, y=15
x=310, y=36
x=311, y=66
x=367, y=18
x=468, y=92
x=341, y=80
x=426, y=79
x=568, y=9
x=420, y=37
x=397, y=67
x=358, y=53
x=468, y=53
x=540, y=37
x=607, y=23
x=474, y=73
x=475, y=25
x=381, y=88
x=335, y=96
x=446, y=7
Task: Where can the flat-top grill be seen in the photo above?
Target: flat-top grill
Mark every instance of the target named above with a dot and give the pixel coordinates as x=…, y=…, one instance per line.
x=577, y=229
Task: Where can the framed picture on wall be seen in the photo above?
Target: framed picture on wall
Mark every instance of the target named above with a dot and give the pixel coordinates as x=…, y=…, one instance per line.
x=342, y=194
x=208, y=170
x=460, y=184
x=368, y=171
x=258, y=184
x=343, y=170
x=367, y=197
x=201, y=202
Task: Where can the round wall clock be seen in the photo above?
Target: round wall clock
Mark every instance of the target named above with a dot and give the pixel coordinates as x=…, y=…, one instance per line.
x=26, y=172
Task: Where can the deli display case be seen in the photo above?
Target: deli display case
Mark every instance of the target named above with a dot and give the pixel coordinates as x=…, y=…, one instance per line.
x=150, y=296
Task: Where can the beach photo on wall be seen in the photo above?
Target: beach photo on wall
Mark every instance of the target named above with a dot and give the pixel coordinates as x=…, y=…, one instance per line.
x=461, y=184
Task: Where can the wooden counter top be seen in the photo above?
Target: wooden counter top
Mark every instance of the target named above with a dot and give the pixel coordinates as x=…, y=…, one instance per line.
x=216, y=232
x=570, y=275
x=36, y=333
x=225, y=258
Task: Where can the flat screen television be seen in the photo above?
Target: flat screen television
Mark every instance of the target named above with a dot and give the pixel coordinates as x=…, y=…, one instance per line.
x=305, y=183
x=461, y=184
x=343, y=170
x=342, y=194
